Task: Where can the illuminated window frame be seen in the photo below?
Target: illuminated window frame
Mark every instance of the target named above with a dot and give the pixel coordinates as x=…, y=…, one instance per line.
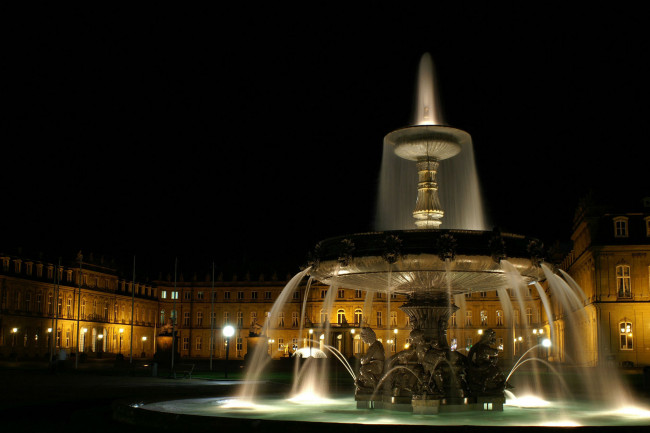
x=625, y=335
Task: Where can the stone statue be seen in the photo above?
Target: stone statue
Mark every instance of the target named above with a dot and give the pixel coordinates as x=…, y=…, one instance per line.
x=429, y=356
x=255, y=329
x=372, y=362
x=484, y=375
x=421, y=360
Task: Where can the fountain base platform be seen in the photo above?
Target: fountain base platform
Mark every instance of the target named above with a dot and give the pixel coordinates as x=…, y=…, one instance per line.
x=431, y=406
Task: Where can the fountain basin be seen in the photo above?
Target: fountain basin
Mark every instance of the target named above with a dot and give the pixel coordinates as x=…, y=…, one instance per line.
x=341, y=413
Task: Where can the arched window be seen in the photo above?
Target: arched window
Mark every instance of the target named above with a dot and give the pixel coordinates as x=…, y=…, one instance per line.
x=323, y=317
x=358, y=316
x=340, y=316
x=625, y=329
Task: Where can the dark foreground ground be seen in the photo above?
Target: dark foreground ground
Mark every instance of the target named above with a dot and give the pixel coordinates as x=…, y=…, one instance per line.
x=34, y=398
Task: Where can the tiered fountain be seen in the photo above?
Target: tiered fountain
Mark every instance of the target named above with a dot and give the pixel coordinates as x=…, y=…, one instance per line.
x=430, y=266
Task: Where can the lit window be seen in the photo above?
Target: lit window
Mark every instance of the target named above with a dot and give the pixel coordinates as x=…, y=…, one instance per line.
x=623, y=281
x=484, y=317
x=499, y=318
x=280, y=344
x=626, y=336
x=163, y=294
x=174, y=295
x=340, y=316
x=358, y=315
x=620, y=227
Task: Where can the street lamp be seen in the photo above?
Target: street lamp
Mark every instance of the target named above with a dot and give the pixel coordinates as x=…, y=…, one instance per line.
x=100, y=349
x=271, y=341
x=144, y=338
x=228, y=331
x=395, y=332
x=13, y=339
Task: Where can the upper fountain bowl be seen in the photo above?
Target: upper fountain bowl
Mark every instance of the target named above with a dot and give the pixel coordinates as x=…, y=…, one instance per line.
x=427, y=142
x=425, y=261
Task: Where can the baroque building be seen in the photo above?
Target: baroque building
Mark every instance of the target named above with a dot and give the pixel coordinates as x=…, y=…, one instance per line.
x=610, y=260
x=80, y=305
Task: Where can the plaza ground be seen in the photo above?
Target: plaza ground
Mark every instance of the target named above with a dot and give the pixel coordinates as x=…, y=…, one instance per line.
x=37, y=398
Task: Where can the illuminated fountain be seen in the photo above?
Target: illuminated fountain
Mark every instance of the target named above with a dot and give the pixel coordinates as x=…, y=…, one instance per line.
x=429, y=383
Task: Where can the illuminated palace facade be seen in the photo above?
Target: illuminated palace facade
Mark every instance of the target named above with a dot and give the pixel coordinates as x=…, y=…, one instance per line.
x=610, y=260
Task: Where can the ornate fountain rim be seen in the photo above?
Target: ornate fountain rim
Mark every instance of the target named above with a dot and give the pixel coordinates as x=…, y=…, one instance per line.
x=421, y=261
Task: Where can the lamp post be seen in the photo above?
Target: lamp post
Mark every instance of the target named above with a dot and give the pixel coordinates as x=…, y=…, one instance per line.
x=395, y=332
x=13, y=336
x=144, y=338
x=228, y=331
x=100, y=349
x=271, y=341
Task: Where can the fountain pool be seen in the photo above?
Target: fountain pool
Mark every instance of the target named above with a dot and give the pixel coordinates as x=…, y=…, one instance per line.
x=340, y=412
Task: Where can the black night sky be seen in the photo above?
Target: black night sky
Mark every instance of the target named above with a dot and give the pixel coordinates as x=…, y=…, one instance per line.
x=245, y=136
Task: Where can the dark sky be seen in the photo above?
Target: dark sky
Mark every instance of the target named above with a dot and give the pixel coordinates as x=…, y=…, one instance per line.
x=245, y=135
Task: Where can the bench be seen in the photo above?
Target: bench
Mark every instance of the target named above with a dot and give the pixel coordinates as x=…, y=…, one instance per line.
x=184, y=369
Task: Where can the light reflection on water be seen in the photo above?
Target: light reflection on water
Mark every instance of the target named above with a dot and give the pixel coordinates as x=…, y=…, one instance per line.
x=343, y=410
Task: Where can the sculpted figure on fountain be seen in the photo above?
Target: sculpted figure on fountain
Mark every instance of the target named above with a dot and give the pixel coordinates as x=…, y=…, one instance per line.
x=372, y=363
x=485, y=376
